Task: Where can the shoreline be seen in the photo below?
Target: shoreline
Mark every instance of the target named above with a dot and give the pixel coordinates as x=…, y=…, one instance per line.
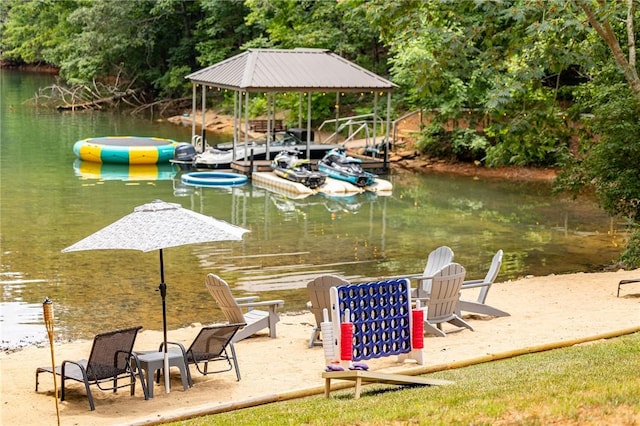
x=554, y=309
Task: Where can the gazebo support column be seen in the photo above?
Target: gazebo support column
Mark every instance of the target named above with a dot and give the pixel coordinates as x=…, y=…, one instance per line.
x=386, y=139
x=308, y=124
x=193, y=110
x=204, y=120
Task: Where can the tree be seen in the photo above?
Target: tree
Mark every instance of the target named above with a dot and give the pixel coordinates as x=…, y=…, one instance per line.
x=609, y=158
x=599, y=14
x=222, y=31
x=505, y=60
x=340, y=27
x=32, y=31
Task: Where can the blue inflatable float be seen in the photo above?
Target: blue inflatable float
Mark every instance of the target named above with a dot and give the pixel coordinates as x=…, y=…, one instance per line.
x=213, y=179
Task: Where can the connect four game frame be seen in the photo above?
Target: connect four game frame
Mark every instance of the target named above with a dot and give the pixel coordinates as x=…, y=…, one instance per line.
x=381, y=318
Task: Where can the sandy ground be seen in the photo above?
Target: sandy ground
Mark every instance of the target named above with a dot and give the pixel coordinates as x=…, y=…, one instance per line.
x=544, y=311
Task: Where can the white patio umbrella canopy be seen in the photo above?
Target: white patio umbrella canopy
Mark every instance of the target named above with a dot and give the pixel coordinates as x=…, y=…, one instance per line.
x=156, y=226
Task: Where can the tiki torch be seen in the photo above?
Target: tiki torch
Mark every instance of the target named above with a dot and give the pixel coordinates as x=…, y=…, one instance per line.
x=47, y=309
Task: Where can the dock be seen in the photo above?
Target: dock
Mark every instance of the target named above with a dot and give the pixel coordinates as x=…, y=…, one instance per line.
x=269, y=180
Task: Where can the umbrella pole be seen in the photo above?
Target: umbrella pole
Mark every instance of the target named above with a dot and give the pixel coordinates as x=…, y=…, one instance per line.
x=163, y=293
x=47, y=308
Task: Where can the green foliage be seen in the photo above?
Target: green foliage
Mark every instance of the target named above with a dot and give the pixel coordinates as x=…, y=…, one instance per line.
x=172, y=82
x=462, y=144
x=631, y=256
x=33, y=30
x=535, y=137
x=506, y=58
x=257, y=106
x=468, y=145
x=609, y=160
x=222, y=31
x=432, y=141
x=101, y=39
x=341, y=27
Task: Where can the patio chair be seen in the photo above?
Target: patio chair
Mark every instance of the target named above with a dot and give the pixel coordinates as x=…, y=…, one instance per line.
x=232, y=308
x=319, y=299
x=210, y=345
x=479, y=306
x=437, y=259
x=443, y=299
x=623, y=282
x=110, y=360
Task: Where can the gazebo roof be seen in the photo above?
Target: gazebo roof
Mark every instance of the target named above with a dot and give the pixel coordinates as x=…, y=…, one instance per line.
x=294, y=70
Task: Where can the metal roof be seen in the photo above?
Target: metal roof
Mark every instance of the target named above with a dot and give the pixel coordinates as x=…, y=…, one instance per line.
x=293, y=70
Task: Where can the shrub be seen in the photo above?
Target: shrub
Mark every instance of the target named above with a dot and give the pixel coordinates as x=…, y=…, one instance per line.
x=631, y=256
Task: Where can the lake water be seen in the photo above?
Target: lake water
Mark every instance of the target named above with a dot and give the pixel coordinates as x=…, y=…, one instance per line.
x=49, y=201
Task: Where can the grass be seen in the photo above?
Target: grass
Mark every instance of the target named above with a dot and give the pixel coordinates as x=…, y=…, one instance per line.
x=589, y=384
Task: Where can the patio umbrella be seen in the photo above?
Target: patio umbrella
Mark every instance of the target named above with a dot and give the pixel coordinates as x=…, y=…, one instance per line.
x=156, y=226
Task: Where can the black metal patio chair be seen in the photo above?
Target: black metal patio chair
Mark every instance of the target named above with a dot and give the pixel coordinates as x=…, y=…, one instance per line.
x=110, y=360
x=211, y=345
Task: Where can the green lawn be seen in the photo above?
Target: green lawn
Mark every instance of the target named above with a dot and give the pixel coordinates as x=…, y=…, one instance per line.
x=590, y=384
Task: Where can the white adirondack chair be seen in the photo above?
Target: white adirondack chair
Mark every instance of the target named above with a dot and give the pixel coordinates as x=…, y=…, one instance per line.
x=438, y=258
x=232, y=308
x=319, y=299
x=442, y=302
x=479, y=305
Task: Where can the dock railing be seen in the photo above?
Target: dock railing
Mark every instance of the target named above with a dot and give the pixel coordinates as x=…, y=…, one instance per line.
x=359, y=127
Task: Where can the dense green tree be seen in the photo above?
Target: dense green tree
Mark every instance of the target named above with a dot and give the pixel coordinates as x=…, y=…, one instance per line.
x=617, y=25
x=149, y=42
x=222, y=31
x=143, y=40
x=609, y=106
x=504, y=60
x=32, y=31
x=340, y=27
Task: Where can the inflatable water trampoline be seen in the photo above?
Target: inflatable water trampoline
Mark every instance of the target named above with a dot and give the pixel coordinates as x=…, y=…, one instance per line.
x=125, y=150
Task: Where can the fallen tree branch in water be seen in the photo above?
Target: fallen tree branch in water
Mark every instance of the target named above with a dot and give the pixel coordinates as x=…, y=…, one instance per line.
x=97, y=103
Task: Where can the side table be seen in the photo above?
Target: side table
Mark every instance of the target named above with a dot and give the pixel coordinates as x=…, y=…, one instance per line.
x=151, y=362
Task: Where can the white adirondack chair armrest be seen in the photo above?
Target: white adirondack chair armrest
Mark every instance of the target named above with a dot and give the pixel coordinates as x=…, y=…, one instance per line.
x=264, y=303
x=474, y=284
x=421, y=277
x=423, y=301
x=410, y=276
x=399, y=277
x=247, y=299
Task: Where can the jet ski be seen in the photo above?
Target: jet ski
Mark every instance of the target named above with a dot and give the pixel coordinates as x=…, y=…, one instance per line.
x=338, y=165
x=288, y=165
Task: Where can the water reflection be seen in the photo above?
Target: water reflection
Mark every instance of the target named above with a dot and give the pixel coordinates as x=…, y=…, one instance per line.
x=88, y=170
x=20, y=322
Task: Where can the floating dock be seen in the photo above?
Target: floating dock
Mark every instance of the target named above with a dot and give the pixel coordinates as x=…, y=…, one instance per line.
x=269, y=180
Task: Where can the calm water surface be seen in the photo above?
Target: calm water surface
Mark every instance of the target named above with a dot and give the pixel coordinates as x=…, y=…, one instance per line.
x=49, y=201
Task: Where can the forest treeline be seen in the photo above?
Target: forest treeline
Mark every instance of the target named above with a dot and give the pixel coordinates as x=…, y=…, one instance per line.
x=539, y=82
